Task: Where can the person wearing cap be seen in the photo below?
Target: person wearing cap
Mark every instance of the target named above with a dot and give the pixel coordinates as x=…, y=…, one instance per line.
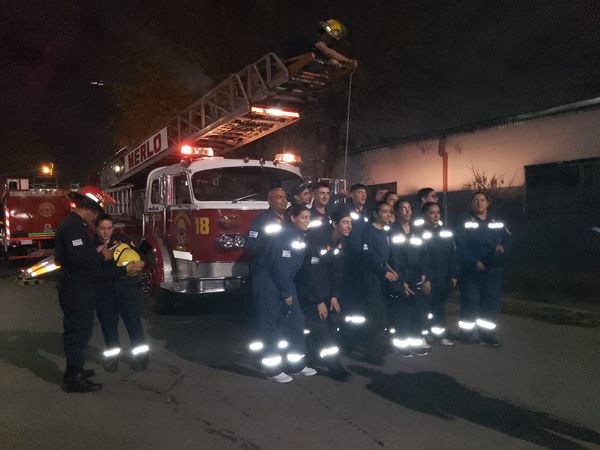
x=301, y=194
x=80, y=264
x=120, y=297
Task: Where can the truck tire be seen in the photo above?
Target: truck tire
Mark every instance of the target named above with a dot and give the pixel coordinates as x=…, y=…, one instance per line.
x=160, y=301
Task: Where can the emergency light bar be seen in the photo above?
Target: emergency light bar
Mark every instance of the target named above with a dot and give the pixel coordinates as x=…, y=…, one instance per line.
x=275, y=112
x=188, y=150
x=288, y=158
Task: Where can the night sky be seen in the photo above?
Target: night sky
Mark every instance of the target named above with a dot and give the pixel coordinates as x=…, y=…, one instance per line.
x=424, y=65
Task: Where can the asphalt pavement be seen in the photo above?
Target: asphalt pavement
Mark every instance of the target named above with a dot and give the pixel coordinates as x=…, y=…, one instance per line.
x=540, y=390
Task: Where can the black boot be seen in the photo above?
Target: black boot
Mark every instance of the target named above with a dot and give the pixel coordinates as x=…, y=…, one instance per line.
x=338, y=372
x=140, y=362
x=466, y=337
x=111, y=365
x=76, y=382
x=489, y=340
x=88, y=373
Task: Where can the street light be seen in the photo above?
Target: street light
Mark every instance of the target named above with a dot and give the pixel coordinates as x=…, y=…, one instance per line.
x=47, y=169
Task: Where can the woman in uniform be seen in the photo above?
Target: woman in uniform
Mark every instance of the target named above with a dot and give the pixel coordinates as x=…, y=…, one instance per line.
x=280, y=317
x=378, y=275
x=406, y=299
x=441, y=271
x=319, y=283
x=482, y=242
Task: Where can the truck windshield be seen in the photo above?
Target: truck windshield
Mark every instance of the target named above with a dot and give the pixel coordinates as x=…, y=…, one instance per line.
x=231, y=183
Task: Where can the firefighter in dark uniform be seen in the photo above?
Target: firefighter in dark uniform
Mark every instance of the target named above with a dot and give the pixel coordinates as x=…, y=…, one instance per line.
x=321, y=194
x=353, y=277
x=481, y=243
x=424, y=195
x=301, y=195
x=262, y=230
x=378, y=274
x=120, y=296
x=318, y=283
x=407, y=296
x=441, y=271
x=281, y=322
x=80, y=265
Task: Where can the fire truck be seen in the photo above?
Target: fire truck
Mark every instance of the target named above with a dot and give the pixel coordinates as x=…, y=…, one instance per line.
x=191, y=205
x=30, y=216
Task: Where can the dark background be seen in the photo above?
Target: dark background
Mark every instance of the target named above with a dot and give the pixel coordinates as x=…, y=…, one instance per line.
x=424, y=66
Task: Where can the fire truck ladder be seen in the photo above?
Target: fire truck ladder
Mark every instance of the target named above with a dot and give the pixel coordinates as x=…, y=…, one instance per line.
x=262, y=98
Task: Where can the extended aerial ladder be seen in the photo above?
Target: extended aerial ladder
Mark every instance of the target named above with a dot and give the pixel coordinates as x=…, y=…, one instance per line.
x=262, y=98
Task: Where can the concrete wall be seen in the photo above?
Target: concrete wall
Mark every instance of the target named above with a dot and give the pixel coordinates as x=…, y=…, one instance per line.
x=501, y=151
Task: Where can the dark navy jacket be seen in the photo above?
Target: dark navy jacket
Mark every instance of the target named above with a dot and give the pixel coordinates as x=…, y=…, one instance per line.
x=407, y=257
x=262, y=230
x=284, y=257
x=360, y=223
x=75, y=251
x=476, y=240
x=320, y=277
x=376, y=250
x=441, y=254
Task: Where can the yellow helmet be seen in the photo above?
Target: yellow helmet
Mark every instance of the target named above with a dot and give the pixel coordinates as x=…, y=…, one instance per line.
x=334, y=28
x=124, y=254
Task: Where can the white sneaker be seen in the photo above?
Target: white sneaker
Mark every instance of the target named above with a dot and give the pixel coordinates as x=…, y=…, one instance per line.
x=281, y=378
x=307, y=372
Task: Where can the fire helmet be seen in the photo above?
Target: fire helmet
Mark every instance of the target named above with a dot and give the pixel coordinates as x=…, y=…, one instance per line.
x=334, y=28
x=124, y=255
x=91, y=197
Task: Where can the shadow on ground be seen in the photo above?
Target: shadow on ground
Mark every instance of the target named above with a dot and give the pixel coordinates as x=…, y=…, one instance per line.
x=442, y=396
x=33, y=351
x=37, y=352
x=213, y=332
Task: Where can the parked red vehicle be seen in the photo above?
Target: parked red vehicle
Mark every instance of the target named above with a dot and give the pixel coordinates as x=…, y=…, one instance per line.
x=30, y=218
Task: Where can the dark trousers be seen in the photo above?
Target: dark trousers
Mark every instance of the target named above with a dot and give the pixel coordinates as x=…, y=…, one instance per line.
x=440, y=290
x=375, y=311
x=77, y=300
x=323, y=335
x=278, y=322
x=353, y=288
x=480, y=295
x=407, y=314
x=120, y=300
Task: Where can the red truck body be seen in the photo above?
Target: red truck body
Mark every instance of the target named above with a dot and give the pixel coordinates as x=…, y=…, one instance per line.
x=30, y=220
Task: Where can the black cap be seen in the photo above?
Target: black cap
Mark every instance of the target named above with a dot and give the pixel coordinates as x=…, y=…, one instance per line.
x=82, y=201
x=301, y=187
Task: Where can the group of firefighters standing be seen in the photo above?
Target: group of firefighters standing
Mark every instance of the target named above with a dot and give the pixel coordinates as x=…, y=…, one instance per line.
x=335, y=276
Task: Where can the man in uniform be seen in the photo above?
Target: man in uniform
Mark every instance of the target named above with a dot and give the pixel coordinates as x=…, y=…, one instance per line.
x=321, y=194
x=353, y=290
x=262, y=229
x=301, y=194
x=81, y=263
